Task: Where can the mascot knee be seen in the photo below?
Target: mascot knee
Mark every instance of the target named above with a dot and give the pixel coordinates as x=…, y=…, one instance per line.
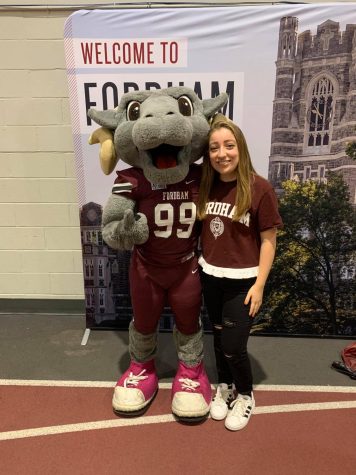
x=145, y=328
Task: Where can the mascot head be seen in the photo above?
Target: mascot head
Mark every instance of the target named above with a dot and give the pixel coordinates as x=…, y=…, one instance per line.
x=162, y=132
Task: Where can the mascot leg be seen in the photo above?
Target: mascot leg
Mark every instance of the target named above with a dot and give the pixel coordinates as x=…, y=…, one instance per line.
x=191, y=390
x=138, y=386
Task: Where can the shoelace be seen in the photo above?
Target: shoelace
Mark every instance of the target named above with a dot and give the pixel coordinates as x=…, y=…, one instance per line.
x=230, y=397
x=241, y=403
x=220, y=399
x=134, y=379
x=189, y=384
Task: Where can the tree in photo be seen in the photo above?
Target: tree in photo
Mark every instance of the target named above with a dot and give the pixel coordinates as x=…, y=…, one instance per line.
x=351, y=150
x=312, y=288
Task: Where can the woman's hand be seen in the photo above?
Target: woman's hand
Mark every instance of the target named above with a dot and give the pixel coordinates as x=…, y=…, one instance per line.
x=254, y=297
x=267, y=251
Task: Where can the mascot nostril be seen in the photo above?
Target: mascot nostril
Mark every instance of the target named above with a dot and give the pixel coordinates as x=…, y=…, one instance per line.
x=152, y=211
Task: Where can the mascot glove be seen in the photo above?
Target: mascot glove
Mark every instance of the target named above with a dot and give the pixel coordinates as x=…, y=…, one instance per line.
x=130, y=230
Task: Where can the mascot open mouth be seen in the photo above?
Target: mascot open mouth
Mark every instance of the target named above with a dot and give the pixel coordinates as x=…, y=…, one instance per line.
x=165, y=156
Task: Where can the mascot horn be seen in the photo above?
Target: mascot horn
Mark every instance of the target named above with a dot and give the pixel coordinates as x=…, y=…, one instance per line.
x=152, y=211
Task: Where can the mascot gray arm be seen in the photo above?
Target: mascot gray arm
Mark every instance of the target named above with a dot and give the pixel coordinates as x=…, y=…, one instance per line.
x=121, y=226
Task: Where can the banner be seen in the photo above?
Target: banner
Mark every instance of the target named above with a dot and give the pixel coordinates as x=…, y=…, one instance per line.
x=290, y=72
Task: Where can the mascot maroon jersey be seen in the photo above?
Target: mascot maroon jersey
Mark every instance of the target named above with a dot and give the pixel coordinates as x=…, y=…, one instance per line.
x=170, y=212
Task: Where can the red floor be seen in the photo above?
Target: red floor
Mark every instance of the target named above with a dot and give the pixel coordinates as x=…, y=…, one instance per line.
x=71, y=430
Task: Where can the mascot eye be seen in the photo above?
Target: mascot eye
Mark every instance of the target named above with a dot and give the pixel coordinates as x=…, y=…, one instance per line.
x=133, y=110
x=185, y=106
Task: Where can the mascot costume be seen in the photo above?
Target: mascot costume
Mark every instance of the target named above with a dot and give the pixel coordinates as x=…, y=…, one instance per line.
x=151, y=210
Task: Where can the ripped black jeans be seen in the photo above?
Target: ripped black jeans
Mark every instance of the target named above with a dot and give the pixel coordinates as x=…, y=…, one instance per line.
x=224, y=301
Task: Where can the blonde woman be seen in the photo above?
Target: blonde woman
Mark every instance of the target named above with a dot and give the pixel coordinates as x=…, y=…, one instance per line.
x=240, y=217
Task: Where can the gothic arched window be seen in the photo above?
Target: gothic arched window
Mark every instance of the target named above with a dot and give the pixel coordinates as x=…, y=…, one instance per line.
x=320, y=113
x=285, y=45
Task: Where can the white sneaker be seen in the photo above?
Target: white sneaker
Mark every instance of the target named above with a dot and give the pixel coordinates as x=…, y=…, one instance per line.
x=220, y=404
x=240, y=413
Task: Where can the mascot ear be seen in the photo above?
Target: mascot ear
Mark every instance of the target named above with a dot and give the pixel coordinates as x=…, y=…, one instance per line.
x=211, y=106
x=107, y=118
x=107, y=154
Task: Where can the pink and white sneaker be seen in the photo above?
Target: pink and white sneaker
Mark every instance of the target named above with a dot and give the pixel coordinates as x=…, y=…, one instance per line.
x=191, y=393
x=136, y=389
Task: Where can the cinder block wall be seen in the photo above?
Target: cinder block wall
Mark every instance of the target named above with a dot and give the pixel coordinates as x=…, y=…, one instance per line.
x=40, y=250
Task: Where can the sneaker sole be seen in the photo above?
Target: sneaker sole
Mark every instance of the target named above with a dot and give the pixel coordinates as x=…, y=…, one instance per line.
x=234, y=429
x=189, y=415
x=190, y=419
x=136, y=412
x=220, y=418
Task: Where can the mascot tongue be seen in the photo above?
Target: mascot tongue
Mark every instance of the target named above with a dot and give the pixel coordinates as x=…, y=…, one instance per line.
x=165, y=156
x=166, y=162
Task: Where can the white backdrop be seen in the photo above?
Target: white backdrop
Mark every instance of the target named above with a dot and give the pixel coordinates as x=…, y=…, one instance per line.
x=231, y=49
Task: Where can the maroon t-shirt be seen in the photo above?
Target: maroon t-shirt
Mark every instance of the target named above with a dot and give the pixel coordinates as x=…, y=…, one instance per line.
x=170, y=212
x=232, y=249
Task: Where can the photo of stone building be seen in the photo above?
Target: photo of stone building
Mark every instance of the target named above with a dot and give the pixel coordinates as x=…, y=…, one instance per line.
x=312, y=166
x=105, y=271
x=314, y=109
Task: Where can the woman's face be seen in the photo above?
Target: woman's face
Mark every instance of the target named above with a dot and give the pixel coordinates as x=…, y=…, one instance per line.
x=223, y=153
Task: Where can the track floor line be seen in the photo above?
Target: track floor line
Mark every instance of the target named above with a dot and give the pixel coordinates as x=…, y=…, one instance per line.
x=111, y=384
x=69, y=428
x=113, y=423
x=57, y=383
x=304, y=388
x=310, y=406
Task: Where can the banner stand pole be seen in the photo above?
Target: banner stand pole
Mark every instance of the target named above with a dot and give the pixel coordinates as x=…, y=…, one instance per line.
x=85, y=337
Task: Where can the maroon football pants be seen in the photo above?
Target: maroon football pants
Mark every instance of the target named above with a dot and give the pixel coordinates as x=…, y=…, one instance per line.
x=153, y=287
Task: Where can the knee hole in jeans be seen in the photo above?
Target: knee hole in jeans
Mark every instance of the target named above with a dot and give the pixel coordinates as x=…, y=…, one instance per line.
x=229, y=324
x=217, y=327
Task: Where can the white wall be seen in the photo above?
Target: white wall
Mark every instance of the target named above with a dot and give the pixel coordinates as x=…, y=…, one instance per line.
x=40, y=250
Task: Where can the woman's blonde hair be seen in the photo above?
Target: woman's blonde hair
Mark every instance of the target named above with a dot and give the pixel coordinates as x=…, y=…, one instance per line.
x=244, y=170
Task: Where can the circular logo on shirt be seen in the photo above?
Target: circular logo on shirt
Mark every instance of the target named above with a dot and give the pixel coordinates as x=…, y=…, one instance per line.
x=216, y=227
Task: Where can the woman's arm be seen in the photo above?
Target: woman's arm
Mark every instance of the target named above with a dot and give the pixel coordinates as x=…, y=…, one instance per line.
x=267, y=252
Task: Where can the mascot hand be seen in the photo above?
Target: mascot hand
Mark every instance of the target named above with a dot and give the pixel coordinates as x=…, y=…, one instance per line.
x=131, y=229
